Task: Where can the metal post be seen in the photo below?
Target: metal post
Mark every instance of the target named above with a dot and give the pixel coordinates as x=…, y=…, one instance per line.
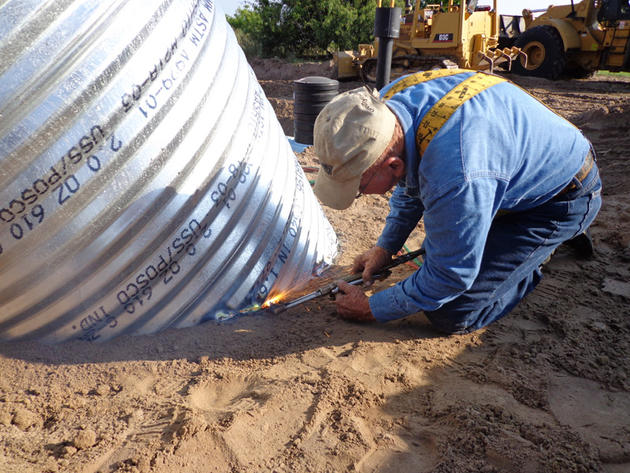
x=386, y=28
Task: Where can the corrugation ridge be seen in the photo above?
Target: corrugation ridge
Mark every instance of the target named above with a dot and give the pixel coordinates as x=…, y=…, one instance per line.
x=292, y=267
x=246, y=204
x=209, y=254
x=136, y=227
x=55, y=126
x=113, y=163
x=216, y=279
x=242, y=241
x=135, y=264
x=46, y=8
x=29, y=92
x=105, y=218
x=123, y=156
x=306, y=229
x=265, y=248
x=133, y=230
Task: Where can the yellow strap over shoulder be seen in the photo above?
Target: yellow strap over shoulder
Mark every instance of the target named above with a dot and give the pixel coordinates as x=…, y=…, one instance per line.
x=444, y=108
x=420, y=77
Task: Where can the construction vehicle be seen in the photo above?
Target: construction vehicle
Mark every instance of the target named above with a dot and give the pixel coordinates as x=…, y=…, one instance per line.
x=434, y=36
x=575, y=40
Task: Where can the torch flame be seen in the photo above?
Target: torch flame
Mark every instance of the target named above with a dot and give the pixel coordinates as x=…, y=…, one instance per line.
x=272, y=300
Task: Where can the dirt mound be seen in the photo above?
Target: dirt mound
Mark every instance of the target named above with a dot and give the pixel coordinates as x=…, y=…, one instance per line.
x=276, y=69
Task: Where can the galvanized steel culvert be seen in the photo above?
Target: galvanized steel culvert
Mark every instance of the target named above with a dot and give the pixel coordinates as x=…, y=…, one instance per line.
x=145, y=181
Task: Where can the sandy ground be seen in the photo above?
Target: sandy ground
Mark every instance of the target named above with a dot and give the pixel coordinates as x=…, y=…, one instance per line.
x=544, y=390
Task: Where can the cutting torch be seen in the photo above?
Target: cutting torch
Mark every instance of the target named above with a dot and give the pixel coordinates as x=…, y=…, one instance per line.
x=353, y=279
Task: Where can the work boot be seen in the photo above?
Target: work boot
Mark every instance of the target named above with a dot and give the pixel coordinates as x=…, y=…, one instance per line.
x=582, y=244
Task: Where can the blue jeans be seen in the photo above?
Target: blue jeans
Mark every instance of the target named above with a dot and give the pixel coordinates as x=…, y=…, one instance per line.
x=518, y=243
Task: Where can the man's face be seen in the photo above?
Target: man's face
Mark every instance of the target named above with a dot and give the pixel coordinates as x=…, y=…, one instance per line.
x=378, y=179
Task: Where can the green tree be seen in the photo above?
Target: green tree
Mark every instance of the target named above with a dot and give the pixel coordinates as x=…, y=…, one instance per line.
x=248, y=26
x=302, y=28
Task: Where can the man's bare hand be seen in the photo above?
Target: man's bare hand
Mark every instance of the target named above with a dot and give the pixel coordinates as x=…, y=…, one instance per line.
x=371, y=262
x=352, y=303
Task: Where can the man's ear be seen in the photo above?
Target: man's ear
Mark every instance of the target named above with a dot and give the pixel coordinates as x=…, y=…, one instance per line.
x=396, y=166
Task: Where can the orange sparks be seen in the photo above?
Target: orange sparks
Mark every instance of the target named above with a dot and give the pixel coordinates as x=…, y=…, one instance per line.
x=273, y=300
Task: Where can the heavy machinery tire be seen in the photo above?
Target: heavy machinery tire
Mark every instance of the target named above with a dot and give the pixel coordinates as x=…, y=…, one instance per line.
x=545, y=53
x=580, y=72
x=400, y=52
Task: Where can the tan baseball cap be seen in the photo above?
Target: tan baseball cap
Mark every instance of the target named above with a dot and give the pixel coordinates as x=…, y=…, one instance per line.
x=350, y=134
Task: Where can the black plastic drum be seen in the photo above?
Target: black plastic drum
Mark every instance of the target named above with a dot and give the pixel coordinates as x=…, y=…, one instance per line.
x=310, y=96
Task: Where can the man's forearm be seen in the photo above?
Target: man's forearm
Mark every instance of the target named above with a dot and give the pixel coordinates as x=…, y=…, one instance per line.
x=405, y=213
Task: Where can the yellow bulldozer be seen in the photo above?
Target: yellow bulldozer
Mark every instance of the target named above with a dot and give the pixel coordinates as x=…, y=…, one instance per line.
x=575, y=40
x=432, y=35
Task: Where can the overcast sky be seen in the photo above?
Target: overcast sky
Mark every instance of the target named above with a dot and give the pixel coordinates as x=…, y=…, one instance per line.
x=506, y=7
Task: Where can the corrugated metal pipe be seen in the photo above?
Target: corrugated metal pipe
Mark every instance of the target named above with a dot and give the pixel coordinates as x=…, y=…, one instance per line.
x=145, y=181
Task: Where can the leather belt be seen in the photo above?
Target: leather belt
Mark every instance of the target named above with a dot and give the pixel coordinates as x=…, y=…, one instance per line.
x=581, y=174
